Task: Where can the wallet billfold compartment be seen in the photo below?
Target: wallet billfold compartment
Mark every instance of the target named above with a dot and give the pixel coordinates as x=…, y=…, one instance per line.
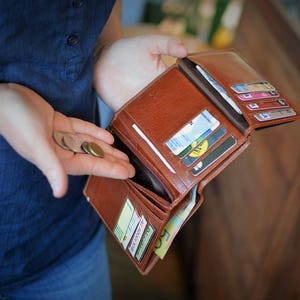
x=180, y=132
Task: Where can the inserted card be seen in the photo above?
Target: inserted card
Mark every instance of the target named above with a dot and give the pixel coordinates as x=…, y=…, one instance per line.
x=214, y=155
x=253, y=87
x=149, y=232
x=196, y=153
x=275, y=114
x=258, y=95
x=192, y=131
x=137, y=236
x=123, y=220
x=197, y=141
x=267, y=104
x=134, y=221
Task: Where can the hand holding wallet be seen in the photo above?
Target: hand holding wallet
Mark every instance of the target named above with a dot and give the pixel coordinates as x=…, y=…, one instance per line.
x=180, y=132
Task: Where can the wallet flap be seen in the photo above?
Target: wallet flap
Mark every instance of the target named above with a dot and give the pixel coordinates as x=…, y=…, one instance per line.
x=261, y=104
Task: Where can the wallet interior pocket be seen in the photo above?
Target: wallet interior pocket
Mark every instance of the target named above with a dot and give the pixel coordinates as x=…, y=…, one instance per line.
x=144, y=176
x=134, y=221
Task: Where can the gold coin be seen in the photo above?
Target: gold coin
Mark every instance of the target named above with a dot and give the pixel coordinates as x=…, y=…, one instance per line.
x=95, y=150
x=73, y=142
x=58, y=138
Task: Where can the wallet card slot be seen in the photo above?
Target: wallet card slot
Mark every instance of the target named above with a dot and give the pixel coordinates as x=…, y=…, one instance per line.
x=137, y=228
x=189, y=69
x=239, y=80
x=157, y=201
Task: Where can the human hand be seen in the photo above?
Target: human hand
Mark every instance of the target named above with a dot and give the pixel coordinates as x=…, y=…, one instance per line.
x=128, y=65
x=27, y=122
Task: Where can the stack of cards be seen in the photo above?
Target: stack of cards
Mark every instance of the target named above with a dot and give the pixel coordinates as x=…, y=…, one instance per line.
x=133, y=231
x=192, y=142
x=263, y=99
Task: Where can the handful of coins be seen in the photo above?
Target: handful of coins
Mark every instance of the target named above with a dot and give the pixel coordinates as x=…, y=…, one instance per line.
x=72, y=142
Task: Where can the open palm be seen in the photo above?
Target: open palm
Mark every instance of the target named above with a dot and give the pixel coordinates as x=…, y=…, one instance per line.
x=28, y=124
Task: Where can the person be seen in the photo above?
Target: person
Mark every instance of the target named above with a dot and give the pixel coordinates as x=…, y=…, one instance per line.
x=55, y=56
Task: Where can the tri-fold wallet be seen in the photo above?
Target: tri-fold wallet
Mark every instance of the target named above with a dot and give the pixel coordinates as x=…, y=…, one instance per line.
x=180, y=132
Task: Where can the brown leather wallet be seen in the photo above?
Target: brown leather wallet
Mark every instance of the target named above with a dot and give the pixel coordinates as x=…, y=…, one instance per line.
x=180, y=132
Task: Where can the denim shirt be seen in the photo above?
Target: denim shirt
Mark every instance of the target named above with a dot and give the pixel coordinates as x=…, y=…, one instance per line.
x=46, y=46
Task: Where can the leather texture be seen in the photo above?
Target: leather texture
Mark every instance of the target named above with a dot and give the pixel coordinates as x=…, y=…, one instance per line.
x=160, y=111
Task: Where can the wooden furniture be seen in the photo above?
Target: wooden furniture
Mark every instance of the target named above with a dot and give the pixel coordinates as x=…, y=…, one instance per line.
x=244, y=243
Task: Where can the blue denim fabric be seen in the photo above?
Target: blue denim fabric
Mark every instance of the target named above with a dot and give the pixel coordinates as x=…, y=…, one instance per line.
x=83, y=277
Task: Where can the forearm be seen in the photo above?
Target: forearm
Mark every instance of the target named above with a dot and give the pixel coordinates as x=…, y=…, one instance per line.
x=112, y=30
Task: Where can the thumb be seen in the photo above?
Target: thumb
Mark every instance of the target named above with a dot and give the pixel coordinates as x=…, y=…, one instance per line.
x=167, y=45
x=47, y=161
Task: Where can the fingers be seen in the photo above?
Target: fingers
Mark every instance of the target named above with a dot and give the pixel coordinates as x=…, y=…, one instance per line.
x=176, y=48
x=166, y=45
x=112, y=151
x=84, y=127
x=114, y=164
x=91, y=129
x=109, y=166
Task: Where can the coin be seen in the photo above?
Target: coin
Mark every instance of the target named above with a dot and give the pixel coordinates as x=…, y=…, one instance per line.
x=95, y=150
x=73, y=142
x=58, y=138
x=85, y=147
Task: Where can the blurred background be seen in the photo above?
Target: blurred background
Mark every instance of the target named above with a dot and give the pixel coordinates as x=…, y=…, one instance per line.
x=211, y=21
x=243, y=243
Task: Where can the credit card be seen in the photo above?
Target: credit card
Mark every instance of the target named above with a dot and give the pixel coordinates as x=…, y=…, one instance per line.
x=191, y=131
x=274, y=114
x=214, y=155
x=204, y=146
x=252, y=87
x=133, y=246
x=134, y=221
x=149, y=232
x=267, y=105
x=258, y=95
x=197, y=141
x=124, y=220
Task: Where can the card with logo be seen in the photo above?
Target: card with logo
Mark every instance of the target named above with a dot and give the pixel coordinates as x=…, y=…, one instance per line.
x=198, y=140
x=253, y=87
x=201, y=149
x=135, y=241
x=123, y=220
x=275, y=114
x=258, y=95
x=192, y=131
x=267, y=105
x=214, y=155
x=134, y=221
x=149, y=233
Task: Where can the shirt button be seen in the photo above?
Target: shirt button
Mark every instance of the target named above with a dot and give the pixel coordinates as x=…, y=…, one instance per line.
x=73, y=40
x=77, y=3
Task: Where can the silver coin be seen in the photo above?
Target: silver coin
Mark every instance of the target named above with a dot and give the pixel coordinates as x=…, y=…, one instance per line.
x=58, y=138
x=73, y=142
